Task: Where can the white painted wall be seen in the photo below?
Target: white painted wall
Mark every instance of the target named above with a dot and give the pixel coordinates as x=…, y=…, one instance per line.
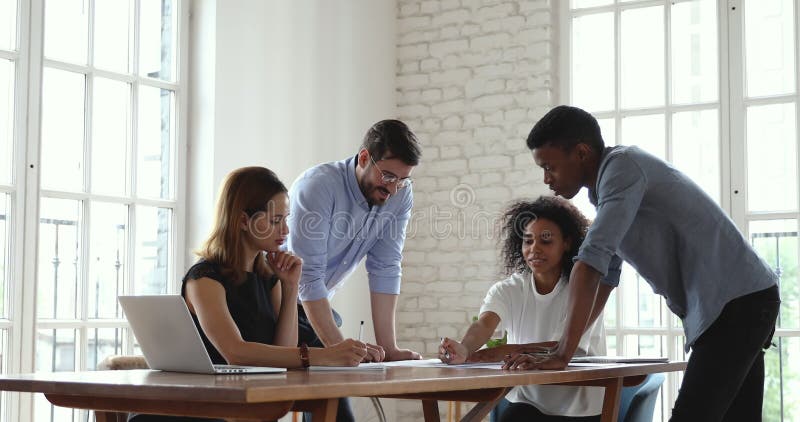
x=285, y=85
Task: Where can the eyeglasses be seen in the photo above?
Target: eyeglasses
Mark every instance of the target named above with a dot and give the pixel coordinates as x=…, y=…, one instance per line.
x=388, y=178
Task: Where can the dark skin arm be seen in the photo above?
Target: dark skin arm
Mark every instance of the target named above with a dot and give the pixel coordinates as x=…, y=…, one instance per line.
x=587, y=298
x=453, y=352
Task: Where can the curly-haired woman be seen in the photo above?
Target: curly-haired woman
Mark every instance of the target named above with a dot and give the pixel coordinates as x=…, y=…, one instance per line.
x=540, y=238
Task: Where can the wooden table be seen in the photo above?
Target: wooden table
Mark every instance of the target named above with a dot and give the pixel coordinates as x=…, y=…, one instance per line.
x=268, y=397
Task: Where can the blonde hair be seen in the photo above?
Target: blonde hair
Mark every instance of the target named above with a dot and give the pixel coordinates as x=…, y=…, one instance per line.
x=247, y=190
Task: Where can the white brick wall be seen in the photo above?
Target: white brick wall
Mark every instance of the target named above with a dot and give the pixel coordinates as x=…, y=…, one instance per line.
x=473, y=76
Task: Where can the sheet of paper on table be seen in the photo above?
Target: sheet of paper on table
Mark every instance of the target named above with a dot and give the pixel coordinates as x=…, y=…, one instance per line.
x=420, y=363
x=437, y=363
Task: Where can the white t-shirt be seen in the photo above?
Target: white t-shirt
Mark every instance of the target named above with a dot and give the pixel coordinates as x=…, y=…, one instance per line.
x=530, y=317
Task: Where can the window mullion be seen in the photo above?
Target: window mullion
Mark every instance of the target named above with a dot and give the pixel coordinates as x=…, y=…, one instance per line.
x=180, y=158
x=797, y=98
x=24, y=337
x=734, y=19
x=617, y=91
x=668, y=81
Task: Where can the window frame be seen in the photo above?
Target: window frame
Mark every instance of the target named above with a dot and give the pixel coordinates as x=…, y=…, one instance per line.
x=732, y=106
x=24, y=247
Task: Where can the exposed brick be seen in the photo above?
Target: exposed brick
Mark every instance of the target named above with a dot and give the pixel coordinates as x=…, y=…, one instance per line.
x=457, y=16
x=411, y=23
x=443, y=48
x=473, y=77
x=414, y=51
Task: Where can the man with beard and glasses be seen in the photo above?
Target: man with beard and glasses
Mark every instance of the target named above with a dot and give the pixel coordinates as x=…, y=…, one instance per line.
x=682, y=243
x=344, y=211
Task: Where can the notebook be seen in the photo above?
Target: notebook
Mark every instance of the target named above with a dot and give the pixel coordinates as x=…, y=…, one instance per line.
x=619, y=359
x=369, y=366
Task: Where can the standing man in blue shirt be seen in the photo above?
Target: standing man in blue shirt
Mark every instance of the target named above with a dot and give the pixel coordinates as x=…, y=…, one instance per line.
x=654, y=217
x=346, y=210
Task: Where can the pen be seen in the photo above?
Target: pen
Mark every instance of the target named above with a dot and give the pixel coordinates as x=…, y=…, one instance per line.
x=446, y=352
x=360, y=330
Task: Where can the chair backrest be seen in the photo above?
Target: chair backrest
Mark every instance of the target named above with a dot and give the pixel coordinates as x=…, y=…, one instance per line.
x=637, y=403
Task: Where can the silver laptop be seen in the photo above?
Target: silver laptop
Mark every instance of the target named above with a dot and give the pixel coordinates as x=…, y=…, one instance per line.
x=169, y=339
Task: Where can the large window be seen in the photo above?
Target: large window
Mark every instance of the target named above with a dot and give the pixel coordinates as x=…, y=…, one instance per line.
x=710, y=86
x=11, y=199
x=97, y=177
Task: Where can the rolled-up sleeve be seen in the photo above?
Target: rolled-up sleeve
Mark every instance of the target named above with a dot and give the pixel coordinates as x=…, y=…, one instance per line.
x=619, y=193
x=384, y=258
x=309, y=224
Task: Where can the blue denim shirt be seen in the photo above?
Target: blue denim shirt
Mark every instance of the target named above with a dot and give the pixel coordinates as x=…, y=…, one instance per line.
x=674, y=235
x=332, y=228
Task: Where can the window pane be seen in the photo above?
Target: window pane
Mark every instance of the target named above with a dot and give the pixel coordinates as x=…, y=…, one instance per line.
x=153, y=232
x=611, y=345
x=610, y=311
x=55, y=350
x=608, y=129
x=776, y=242
x=59, y=266
x=642, y=56
x=646, y=132
x=771, y=158
x=694, y=52
x=62, y=130
x=640, y=306
x=110, y=135
x=66, y=32
x=103, y=342
x=579, y=4
x=157, y=39
x=6, y=120
x=108, y=229
x=5, y=259
x=8, y=21
x=695, y=148
x=593, y=62
x=645, y=345
x=46, y=412
x=769, y=47
x=112, y=40
x=155, y=143
x=782, y=380
x=4, y=352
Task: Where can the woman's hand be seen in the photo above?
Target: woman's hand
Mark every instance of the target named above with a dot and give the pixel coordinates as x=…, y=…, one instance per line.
x=287, y=266
x=452, y=352
x=348, y=352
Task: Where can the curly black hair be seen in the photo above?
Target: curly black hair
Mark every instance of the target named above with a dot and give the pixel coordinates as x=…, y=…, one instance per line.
x=519, y=214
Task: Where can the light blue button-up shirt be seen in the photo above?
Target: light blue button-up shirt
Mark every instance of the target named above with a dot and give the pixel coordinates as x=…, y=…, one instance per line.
x=676, y=237
x=332, y=227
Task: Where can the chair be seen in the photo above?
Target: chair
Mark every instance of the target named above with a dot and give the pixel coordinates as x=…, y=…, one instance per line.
x=636, y=403
x=113, y=363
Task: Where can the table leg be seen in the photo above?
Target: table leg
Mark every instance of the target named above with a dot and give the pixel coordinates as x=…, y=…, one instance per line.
x=323, y=410
x=430, y=408
x=611, y=400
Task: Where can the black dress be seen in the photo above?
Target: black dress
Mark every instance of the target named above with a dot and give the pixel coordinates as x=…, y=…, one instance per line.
x=250, y=307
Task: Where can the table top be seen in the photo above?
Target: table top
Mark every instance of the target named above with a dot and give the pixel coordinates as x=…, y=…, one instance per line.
x=305, y=385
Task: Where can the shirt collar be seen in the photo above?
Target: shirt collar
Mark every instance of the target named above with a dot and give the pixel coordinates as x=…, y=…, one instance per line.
x=352, y=182
x=593, y=190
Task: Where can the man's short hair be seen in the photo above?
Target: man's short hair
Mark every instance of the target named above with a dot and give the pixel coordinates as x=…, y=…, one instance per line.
x=565, y=127
x=392, y=138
